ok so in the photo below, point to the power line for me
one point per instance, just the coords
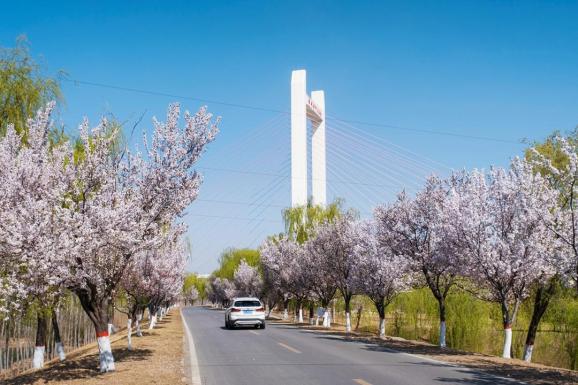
(233, 218)
(169, 95)
(274, 110)
(239, 203)
(289, 176)
(425, 131)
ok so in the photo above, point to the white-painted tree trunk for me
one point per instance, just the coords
(528, 349)
(285, 314)
(111, 329)
(138, 330)
(311, 321)
(507, 342)
(443, 334)
(60, 351)
(300, 320)
(347, 322)
(381, 327)
(153, 322)
(106, 358)
(38, 358)
(317, 321)
(129, 333)
(326, 319)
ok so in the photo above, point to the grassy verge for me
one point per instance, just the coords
(156, 358)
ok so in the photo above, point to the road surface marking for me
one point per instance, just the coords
(288, 347)
(360, 381)
(254, 332)
(195, 375)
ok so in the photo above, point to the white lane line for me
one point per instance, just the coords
(194, 362)
(360, 381)
(288, 347)
(253, 332)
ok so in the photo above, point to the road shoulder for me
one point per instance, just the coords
(156, 358)
(190, 361)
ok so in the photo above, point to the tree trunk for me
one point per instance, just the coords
(285, 310)
(129, 333)
(57, 338)
(380, 307)
(347, 299)
(506, 352)
(544, 293)
(311, 313)
(138, 322)
(97, 311)
(359, 310)
(507, 322)
(40, 344)
(152, 317)
(442, 309)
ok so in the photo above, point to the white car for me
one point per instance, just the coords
(247, 311)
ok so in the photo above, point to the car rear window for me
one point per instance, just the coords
(246, 303)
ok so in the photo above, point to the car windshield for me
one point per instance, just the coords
(247, 303)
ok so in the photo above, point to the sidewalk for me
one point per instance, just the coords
(156, 358)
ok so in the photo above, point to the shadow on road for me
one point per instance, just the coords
(477, 378)
(239, 328)
(485, 368)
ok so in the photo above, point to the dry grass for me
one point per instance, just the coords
(156, 358)
(530, 373)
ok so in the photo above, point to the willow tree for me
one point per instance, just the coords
(23, 88)
(301, 221)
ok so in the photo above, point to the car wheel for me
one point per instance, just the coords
(227, 326)
(263, 325)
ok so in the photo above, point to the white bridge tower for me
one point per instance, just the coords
(303, 109)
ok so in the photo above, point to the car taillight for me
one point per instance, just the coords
(260, 309)
(233, 310)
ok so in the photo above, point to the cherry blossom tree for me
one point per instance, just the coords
(319, 264)
(135, 283)
(555, 159)
(419, 230)
(379, 273)
(337, 240)
(272, 290)
(192, 295)
(152, 280)
(247, 280)
(561, 173)
(34, 226)
(167, 277)
(284, 257)
(221, 291)
(503, 229)
(124, 203)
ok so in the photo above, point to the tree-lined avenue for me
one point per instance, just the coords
(285, 355)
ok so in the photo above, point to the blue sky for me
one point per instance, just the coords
(504, 70)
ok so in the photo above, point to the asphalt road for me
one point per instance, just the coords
(284, 355)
